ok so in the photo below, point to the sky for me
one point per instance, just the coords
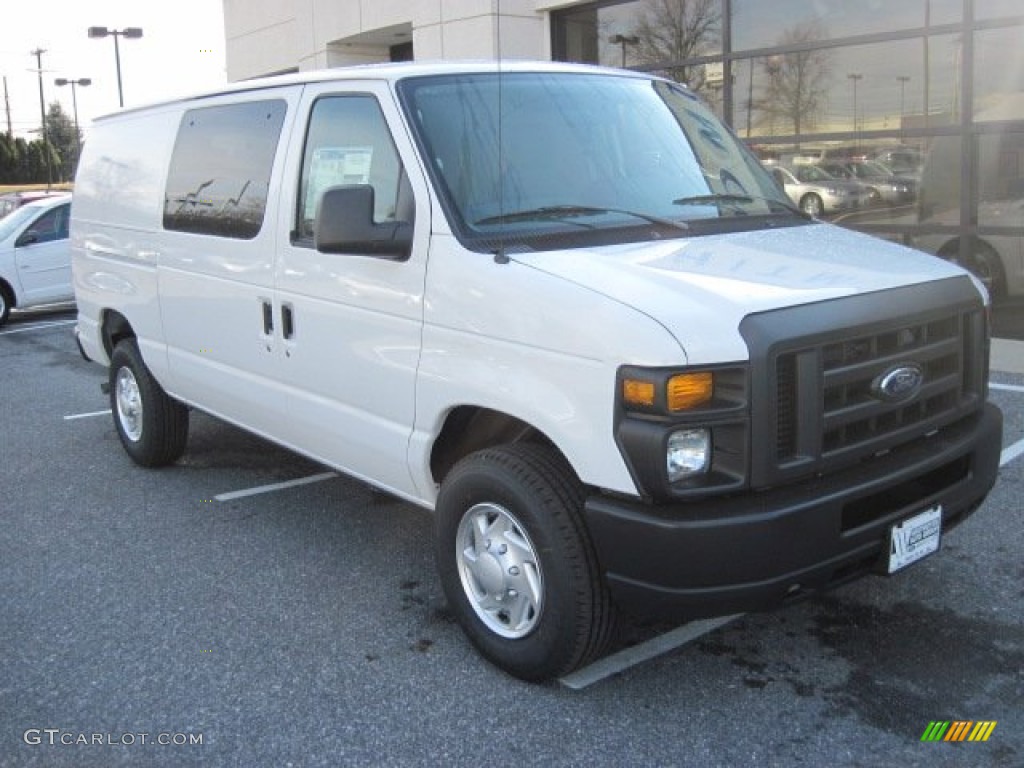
(181, 52)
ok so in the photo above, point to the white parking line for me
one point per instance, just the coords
(275, 486)
(38, 327)
(1006, 387)
(1011, 452)
(87, 415)
(630, 657)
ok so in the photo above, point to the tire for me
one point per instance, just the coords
(982, 261)
(517, 565)
(811, 205)
(153, 427)
(5, 303)
(874, 196)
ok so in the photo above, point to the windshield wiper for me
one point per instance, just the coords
(712, 199)
(555, 212)
(730, 199)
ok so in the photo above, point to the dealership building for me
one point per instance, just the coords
(932, 88)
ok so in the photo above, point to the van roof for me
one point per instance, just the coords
(384, 71)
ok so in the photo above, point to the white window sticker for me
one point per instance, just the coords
(331, 166)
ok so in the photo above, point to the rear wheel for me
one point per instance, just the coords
(516, 563)
(152, 426)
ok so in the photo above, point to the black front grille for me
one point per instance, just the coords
(785, 436)
(853, 415)
(819, 392)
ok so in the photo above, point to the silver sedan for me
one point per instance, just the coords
(818, 192)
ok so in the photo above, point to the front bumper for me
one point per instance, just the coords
(757, 550)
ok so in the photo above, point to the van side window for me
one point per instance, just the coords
(348, 142)
(220, 169)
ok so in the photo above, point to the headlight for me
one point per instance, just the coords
(684, 432)
(688, 453)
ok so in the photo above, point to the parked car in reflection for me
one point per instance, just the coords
(995, 259)
(901, 160)
(35, 255)
(817, 192)
(883, 185)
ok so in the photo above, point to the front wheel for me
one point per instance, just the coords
(811, 205)
(5, 303)
(152, 426)
(516, 563)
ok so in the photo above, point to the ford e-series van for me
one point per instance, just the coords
(561, 307)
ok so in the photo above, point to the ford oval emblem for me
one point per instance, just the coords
(898, 383)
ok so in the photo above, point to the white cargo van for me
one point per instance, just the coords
(563, 308)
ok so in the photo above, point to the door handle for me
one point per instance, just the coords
(268, 318)
(287, 321)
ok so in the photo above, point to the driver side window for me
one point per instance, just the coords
(348, 142)
(52, 225)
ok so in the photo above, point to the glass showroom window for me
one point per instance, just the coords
(759, 24)
(650, 34)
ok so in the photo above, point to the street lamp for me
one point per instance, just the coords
(623, 40)
(82, 81)
(131, 33)
(854, 78)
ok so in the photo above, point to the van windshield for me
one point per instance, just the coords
(524, 157)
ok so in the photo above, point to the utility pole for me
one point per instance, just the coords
(7, 106)
(38, 53)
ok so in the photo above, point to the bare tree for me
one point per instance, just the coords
(669, 31)
(797, 81)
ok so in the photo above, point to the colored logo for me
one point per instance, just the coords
(958, 730)
(899, 383)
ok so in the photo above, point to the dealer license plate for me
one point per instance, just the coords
(914, 538)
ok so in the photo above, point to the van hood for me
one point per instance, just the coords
(700, 288)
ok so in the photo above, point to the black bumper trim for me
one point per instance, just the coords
(757, 550)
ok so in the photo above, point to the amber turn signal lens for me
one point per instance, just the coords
(636, 392)
(688, 390)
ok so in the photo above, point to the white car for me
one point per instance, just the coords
(35, 256)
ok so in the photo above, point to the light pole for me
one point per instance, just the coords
(131, 33)
(82, 81)
(903, 80)
(623, 40)
(854, 78)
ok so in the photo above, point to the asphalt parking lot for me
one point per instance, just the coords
(302, 625)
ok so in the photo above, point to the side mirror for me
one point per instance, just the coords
(344, 224)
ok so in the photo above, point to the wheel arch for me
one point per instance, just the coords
(115, 327)
(9, 293)
(469, 428)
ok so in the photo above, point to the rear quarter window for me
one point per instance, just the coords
(220, 169)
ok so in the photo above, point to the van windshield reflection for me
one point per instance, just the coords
(531, 155)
